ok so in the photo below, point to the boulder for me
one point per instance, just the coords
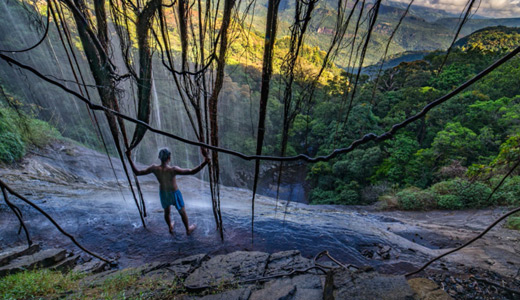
(240, 265)
(299, 287)
(42, 259)
(178, 269)
(91, 267)
(12, 253)
(286, 261)
(66, 264)
(367, 285)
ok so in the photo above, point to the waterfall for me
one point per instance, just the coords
(159, 139)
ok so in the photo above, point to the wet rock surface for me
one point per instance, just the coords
(368, 285)
(257, 275)
(477, 284)
(42, 259)
(77, 187)
(229, 268)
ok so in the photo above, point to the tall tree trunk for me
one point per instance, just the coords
(213, 108)
(267, 70)
(144, 81)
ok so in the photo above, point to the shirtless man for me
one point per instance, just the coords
(168, 189)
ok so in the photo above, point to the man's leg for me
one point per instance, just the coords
(168, 219)
(184, 216)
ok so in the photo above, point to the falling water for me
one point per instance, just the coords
(159, 139)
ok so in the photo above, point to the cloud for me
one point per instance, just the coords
(487, 8)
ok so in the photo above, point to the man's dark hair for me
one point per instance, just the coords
(164, 154)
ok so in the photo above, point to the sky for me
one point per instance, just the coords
(487, 8)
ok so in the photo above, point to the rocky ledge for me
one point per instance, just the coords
(238, 275)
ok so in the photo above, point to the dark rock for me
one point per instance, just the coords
(42, 259)
(231, 267)
(301, 287)
(286, 261)
(9, 254)
(275, 291)
(183, 266)
(367, 253)
(66, 265)
(178, 269)
(238, 294)
(91, 267)
(370, 285)
(383, 250)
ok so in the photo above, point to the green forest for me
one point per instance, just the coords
(452, 158)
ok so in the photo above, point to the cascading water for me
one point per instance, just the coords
(156, 117)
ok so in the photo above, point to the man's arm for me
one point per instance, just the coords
(136, 170)
(181, 171)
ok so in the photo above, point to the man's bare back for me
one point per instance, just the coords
(168, 189)
(166, 177)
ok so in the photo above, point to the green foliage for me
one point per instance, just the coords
(460, 193)
(413, 198)
(509, 192)
(394, 168)
(11, 145)
(513, 222)
(452, 76)
(451, 194)
(508, 155)
(456, 141)
(344, 193)
(319, 196)
(449, 202)
(478, 128)
(115, 287)
(18, 130)
(498, 38)
(36, 284)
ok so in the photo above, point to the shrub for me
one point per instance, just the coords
(348, 194)
(389, 201)
(11, 145)
(345, 194)
(17, 130)
(414, 198)
(462, 194)
(513, 222)
(509, 192)
(40, 133)
(319, 196)
(449, 202)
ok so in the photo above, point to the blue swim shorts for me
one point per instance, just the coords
(171, 198)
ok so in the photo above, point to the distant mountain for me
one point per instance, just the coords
(423, 29)
(491, 38)
(476, 24)
(429, 14)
